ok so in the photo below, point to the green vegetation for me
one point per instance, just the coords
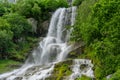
(61, 70)
(77, 2)
(98, 26)
(5, 65)
(16, 36)
(14, 30)
(116, 75)
(84, 78)
(38, 9)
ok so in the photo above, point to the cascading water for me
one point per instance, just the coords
(51, 50)
(81, 67)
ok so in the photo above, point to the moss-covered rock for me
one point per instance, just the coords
(77, 51)
(61, 70)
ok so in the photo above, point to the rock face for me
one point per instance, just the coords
(70, 2)
(72, 69)
(55, 43)
(45, 25)
(34, 23)
(50, 56)
(81, 67)
(43, 28)
(40, 28)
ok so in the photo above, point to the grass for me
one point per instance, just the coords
(8, 65)
(61, 70)
(84, 78)
(18, 56)
(20, 52)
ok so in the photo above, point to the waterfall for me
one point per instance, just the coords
(81, 67)
(51, 50)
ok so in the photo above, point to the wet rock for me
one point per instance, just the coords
(78, 49)
(34, 23)
(83, 66)
(42, 28)
(109, 76)
(18, 78)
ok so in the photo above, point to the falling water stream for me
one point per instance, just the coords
(81, 67)
(51, 50)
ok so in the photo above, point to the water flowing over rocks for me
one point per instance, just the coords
(82, 67)
(53, 49)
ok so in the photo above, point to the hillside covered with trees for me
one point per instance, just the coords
(17, 38)
(97, 26)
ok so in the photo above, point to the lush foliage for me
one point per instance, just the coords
(84, 78)
(16, 36)
(18, 24)
(38, 9)
(98, 26)
(77, 2)
(61, 70)
(116, 75)
(5, 65)
(5, 7)
(13, 31)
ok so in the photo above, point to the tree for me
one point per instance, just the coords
(2, 9)
(36, 11)
(6, 36)
(19, 25)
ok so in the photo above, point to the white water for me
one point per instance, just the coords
(81, 67)
(51, 50)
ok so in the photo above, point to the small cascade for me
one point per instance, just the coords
(51, 50)
(81, 67)
(73, 15)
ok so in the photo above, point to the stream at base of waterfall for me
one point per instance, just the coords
(53, 49)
